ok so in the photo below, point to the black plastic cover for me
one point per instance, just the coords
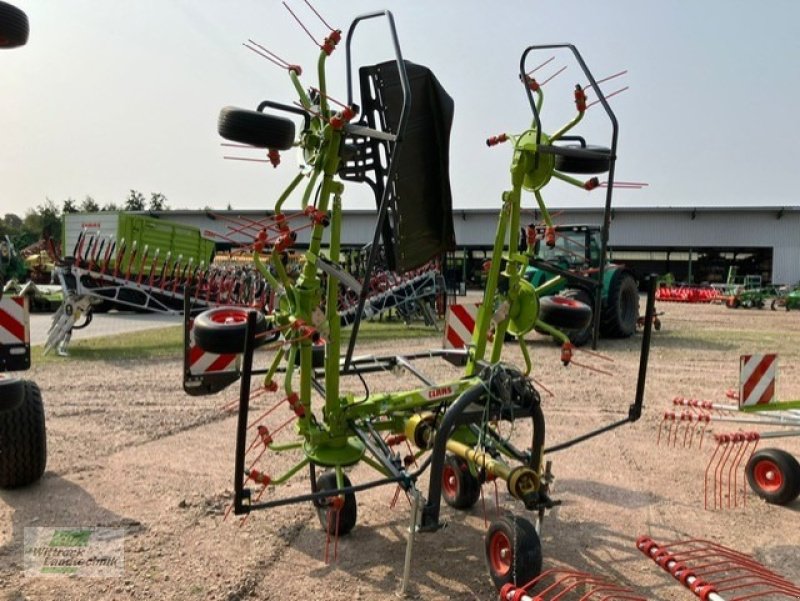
(420, 220)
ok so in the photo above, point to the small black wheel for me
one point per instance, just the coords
(222, 330)
(346, 520)
(733, 302)
(588, 159)
(12, 391)
(258, 129)
(774, 475)
(774, 304)
(513, 551)
(460, 489)
(564, 313)
(14, 28)
(23, 440)
(579, 336)
(621, 308)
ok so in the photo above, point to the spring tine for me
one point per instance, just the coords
(82, 260)
(78, 243)
(153, 265)
(161, 279)
(120, 255)
(109, 251)
(98, 250)
(131, 260)
(142, 263)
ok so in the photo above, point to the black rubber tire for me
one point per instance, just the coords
(579, 336)
(254, 128)
(774, 304)
(774, 475)
(14, 27)
(460, 489)
(23, 440)
(564, 313)
(621, 308)
(513, 551)
(595, 159)
(348, 514)
(12, 391)
(222, 330)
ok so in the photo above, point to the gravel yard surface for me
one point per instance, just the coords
(128, 449)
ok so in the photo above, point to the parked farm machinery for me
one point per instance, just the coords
(772, 473)
(23, 436)
(295, 414)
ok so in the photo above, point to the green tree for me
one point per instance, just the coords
(110, 206)
(158, 202)
(69, 206)
(89, 205)
(135, 201)
(44, 220)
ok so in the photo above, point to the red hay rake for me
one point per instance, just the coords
(772, 473)
(567, 585)
(716, 573)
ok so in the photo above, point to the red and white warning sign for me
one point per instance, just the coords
(757, 376)
(459, 325)
(15, 336)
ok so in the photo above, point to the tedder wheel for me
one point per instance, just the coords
(460, 489)
(579, 336)
(774, 304)
(733, 302)
(774, 475)
(621, 308)
(23, 440)
(14, 26)
(588, 159)
(564, 313)
(222, 330)
(346, 520)
(257, 129)
(513, 551)
(12, 391)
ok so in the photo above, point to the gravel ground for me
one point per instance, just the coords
(128, 449)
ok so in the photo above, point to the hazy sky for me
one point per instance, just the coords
(111, 95)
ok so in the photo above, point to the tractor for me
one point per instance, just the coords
(577, 249)
(23, 448)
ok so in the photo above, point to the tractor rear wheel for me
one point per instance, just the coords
(255, 128)
(513, 551)
(460, 489)
(621, 309)
(12, 391)
(23, 440)
(774, 475)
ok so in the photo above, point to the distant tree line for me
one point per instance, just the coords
(45, 219)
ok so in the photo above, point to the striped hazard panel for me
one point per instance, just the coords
(757, 375)
(204, 372)
(202, 362)
(460, 324)
(15, 336)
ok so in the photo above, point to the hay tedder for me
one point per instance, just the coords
(294, 414)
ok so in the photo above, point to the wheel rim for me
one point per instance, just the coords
(500, 553)
(227, 316)
(449, 481)
(768, 475)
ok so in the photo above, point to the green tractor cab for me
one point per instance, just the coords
(576, 249)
